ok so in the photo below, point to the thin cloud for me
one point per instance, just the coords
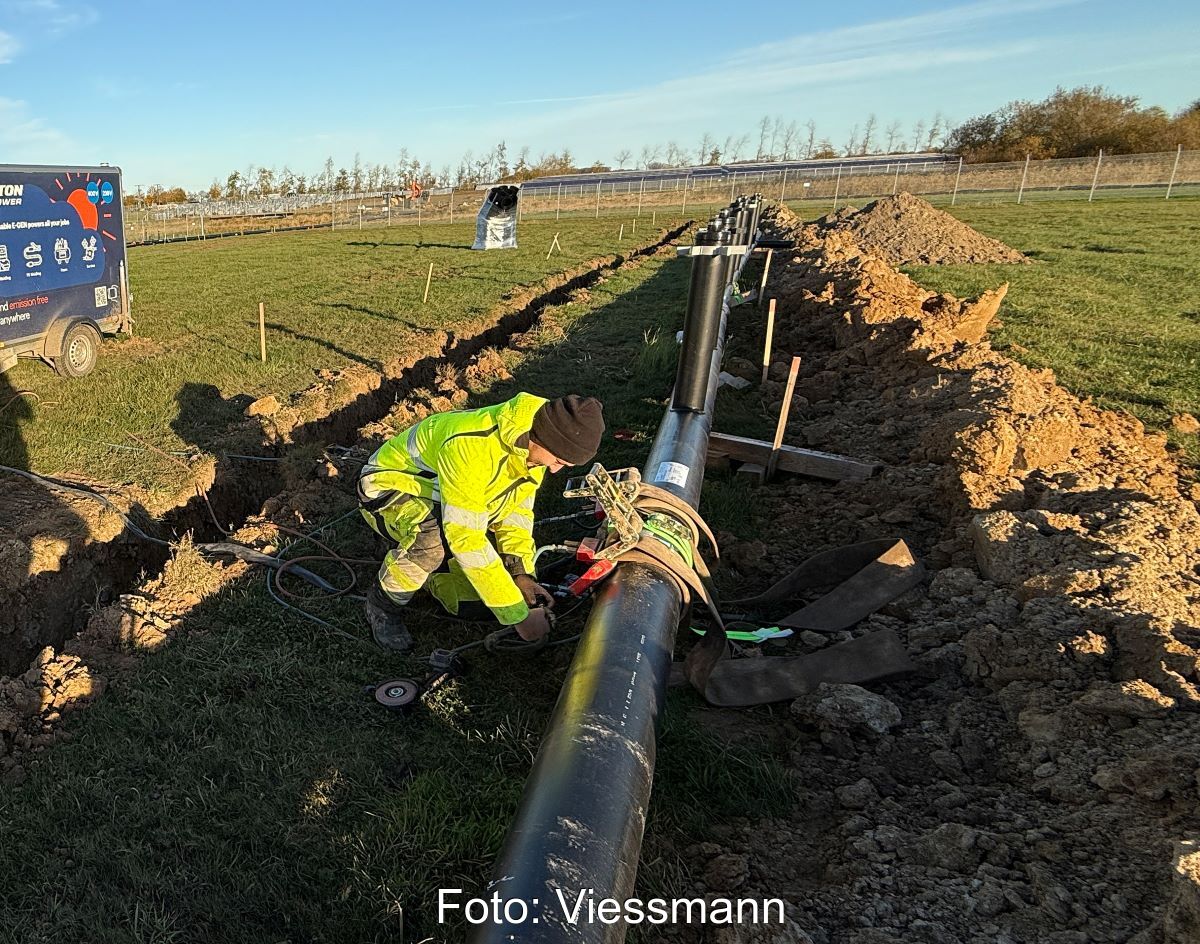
(436, 108)
(700, 97)
(926, 29)
(879, 51)
(1156, 64)
(54, 16)
(26, 138)
(564, 98)
(9, 47)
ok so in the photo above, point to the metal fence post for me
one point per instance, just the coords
(1024, 174)
(837, 187)
(1171, 182)
(641, 190)
(783, 186)
(597, 199)
(558, 207)
(1096, 176)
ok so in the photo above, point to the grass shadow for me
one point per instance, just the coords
(238, 784)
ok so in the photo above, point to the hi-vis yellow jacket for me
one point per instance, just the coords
(469, 462)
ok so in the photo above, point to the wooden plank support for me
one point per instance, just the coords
(820, 465)
(751, 472)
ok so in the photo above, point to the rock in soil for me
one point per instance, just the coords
(1037, 780)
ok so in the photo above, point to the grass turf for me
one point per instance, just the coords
(240, 786)
(332, 299)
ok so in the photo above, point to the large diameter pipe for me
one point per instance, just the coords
(700, 327)
(578, 829)
(743, 224)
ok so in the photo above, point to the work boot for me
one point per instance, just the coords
(386, 620)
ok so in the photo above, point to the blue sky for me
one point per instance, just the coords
(180, 93)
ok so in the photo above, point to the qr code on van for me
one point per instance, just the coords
(101, 296)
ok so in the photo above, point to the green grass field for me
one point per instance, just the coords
(1112, 304)
(239, 786)
(332, 299)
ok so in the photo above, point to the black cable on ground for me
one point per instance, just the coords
(276, 565)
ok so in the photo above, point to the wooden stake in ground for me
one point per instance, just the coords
(262, 331)
(762, 287)
(783, 416)
(428, 279)
(635, 227)
(767, 342)
(1096, 176)
(553, 245)
(621, 234)
(654, 217)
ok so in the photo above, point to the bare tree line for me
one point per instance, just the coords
(1070, 122)
(774, 139)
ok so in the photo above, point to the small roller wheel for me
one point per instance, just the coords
(397, 694)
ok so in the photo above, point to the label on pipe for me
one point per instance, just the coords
(674, 472)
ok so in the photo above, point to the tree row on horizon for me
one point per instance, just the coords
(1067, 123)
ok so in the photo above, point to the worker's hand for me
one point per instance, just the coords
(534, 626)
(533, 592)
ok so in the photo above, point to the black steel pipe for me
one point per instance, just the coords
(730, 265)
(743, 224)
(700, 325)
(579, 827)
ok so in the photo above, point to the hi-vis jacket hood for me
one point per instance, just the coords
(469, 462)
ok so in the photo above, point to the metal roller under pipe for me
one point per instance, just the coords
(578, 829)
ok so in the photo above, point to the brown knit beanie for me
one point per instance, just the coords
(570, 427)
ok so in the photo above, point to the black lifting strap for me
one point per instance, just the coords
(868, 575)
(692, 581)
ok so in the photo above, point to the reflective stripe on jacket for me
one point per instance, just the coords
(468, 460)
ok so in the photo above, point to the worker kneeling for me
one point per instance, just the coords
(455, 493)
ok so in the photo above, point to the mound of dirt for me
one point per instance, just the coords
(1037, 780)
(901, 230)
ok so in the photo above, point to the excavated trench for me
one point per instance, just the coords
(1035, 779)
(55, 603)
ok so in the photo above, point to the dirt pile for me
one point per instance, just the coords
(901, 230)
(1038, 780)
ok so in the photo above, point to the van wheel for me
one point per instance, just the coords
(80, 349)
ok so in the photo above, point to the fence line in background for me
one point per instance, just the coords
(1153, 176)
